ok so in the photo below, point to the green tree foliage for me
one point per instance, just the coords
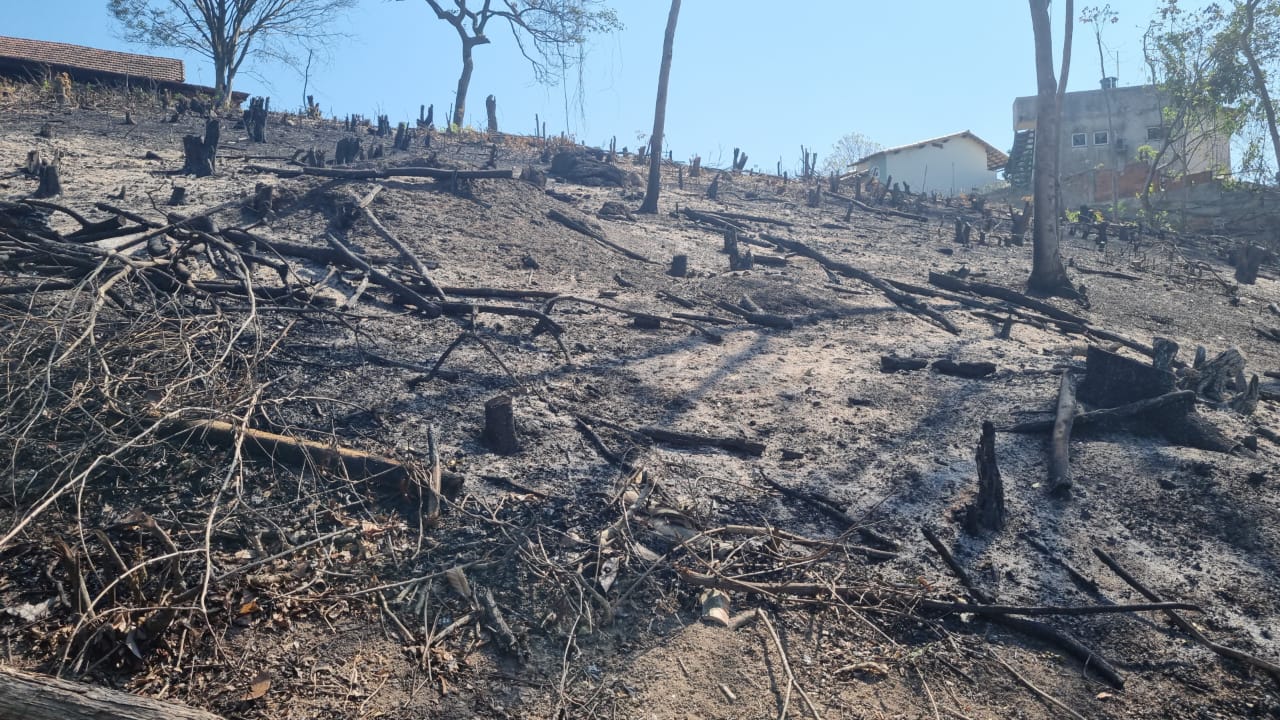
(1191, 58)
(228, 31)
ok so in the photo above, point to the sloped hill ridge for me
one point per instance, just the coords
(163, 532)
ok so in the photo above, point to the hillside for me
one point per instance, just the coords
(248, 470)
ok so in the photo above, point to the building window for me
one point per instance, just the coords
(1101, 137)
(1078, 140)
(1155, 133)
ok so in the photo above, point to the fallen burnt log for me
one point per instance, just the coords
(653, 320)
(901, 299)
(37, 697)
(950, 282)
(1173, 415)
(597, 235)
(383, 174)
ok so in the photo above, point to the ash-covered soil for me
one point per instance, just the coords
(358, 607)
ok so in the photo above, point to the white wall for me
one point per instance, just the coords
(953, 167)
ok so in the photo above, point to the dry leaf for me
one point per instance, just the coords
(1104, 696)
(258, 687)
(249, 607)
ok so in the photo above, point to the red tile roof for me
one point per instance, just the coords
(92, 59)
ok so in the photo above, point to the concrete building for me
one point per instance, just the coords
(1102, 131)
(950, 165)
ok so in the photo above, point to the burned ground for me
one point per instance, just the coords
(269, 588)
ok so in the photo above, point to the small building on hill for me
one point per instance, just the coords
(26, 59)
(950, 165)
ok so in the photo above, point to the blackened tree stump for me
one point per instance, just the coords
(348, 151)
(1165, 351)
(1248, 259)
(500, 426)
(679, 266)
(178, 196)
(491, 109)
(255, 119)
(1111, 380)
(50, 182)
(987, 512)
(202, 154)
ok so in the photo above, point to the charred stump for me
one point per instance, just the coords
(255, 119)
(679, 266)
(987, 512)
(201, 154)
(50, 183)
(1247, 261)
(491, 109)
(500, 426)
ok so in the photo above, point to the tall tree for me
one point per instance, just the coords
(1259, 36)
(550, 33)
(650, 204)
(1205, 88)
(1048, 275)
(228, 31)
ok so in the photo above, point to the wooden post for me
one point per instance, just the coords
(500, 426)
(988, 512)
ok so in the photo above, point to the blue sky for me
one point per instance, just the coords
(763, 76)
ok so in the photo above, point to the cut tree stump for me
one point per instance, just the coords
(500, 426)
(1247, 261)
(1112, 380)
(255, 119)
(37, 697)
(491, 110)
(50, 182)
(987, 512)
(679, 266)
(1166, 351)
(201, 154)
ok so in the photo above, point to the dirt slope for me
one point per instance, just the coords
(348, 610)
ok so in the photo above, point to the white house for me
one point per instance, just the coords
(951, 164)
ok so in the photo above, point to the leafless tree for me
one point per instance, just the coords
(1048, 275)
(650, 204)
(550, 33)
(848, 150)
(227, 31)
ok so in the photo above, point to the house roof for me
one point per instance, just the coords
(996, 158)
(92, 59)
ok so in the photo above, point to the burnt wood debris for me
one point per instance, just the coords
(452, 385)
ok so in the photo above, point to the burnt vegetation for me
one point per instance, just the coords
(446, 428)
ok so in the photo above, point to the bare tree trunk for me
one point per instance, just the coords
(1260, 79)
(464, 82)
(650, 204)
(1047, 272)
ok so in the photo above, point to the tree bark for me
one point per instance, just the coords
(650, 204)
(464, 83)
(1048, 275)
